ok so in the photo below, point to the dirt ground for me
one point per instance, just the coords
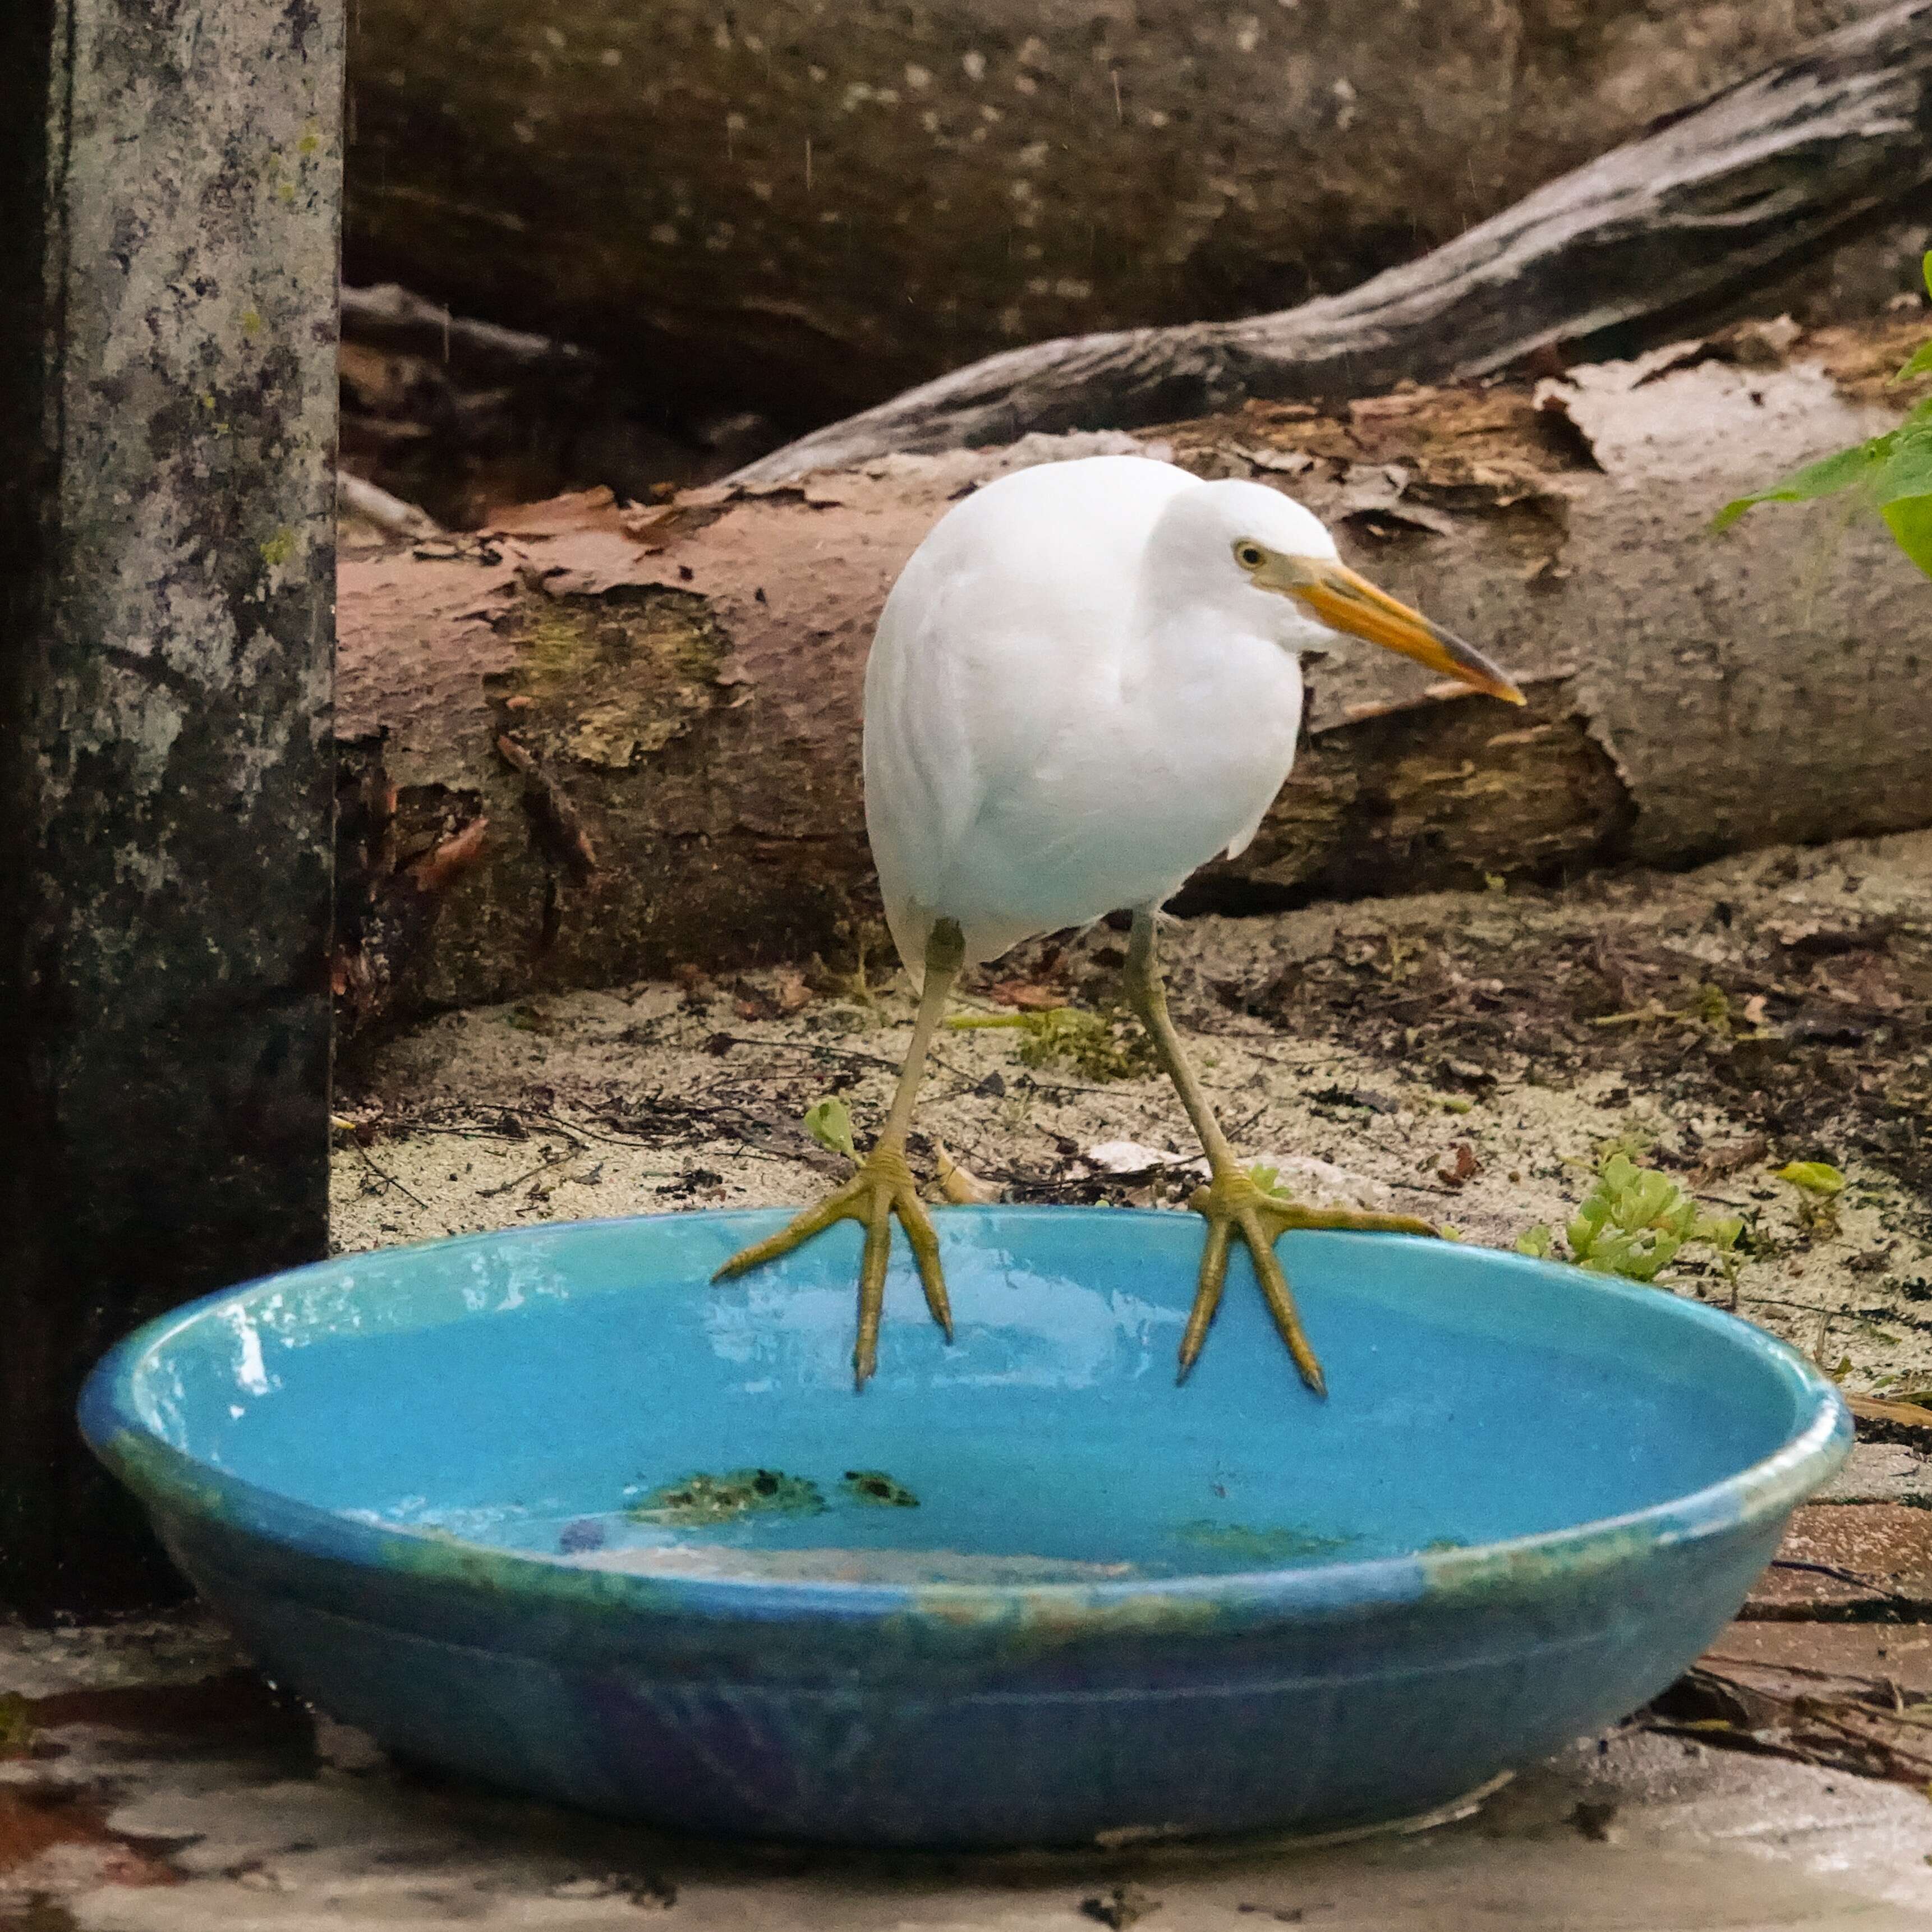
(1472, 1057)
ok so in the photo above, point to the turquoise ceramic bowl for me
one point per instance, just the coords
(498, 1500)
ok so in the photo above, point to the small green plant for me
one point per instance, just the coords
(1818, 1184)
(1812, 1177)
(828, 1122)
(1892, 472)
(1633, 1223)
(1633, 1140)
(1099, 1044)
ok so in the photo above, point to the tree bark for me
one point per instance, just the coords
(803, 209)
(1714, 200)
(169, 182)
(680, 688)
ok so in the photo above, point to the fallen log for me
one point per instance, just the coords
(683, 682)
(1758, 175)
(803, 209)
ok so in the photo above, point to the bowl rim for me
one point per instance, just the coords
(169, 1479)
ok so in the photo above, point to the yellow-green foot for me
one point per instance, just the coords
(1233, 1203)
(882, 1187)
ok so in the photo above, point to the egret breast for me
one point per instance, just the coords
(1038, 750)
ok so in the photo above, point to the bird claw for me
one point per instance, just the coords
(883, 1187)
(1234, 1202)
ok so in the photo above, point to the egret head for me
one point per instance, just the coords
(1250, 547)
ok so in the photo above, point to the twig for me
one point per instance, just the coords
(557, 820)
(1039, 1086)
(395, 316)
(361, 498)
(1840, 1575)
(813, 1046)
(542, 1167)
(848, 1053)
(1793, 1669)
(400, 1187)
(561, 1126)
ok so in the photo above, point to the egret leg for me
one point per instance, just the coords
(1233, 1202)
(884, 1186)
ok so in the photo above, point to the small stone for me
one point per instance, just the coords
(343, 1748)
(586, 1887)
(1126, 1905)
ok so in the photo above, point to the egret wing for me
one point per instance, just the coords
(1004, 634)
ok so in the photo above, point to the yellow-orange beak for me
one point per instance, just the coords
(1346, 602)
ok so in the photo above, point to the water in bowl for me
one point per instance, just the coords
(583, 1396)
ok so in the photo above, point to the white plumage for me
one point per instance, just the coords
(1086, 682)
(1074, 697)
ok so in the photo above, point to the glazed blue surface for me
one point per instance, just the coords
(437, 1490)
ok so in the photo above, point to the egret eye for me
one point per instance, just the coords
(1250, 556)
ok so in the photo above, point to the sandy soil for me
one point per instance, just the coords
(1471, 1057)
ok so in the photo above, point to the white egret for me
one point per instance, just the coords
(1086, 682)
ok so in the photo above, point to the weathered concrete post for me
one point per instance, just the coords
(169, 184)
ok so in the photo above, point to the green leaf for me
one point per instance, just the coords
(1537, 1242)
(828, 1122)
(1909, 519)
(1814, 1177)
(1844, 471)
(1907, 471)
(1647, 1263)
(1920, 363)
(1721, 1230)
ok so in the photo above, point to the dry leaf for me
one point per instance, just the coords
(1026, 994)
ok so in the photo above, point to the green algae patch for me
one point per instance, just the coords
(1279, 1545)
(1535, 1566)
(878, 1490)
(612, 679)
(1025, 1620)
(707, 1498)
(162, 1476)
(16, 1725)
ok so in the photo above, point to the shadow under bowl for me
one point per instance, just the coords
(546, 1507)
